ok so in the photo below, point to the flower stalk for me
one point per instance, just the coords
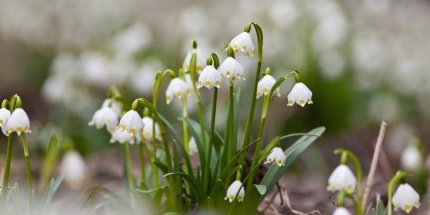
(400, 175)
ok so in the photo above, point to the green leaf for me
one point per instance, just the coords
(49, 162)
(196, 133)
(195, 185)
(262, 189)
(275, 172)
(52, 189)
(380, 210)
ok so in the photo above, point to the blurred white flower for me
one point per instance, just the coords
(231, 69)
(133, 39)
(121, 136)
(177, 88)
(300, 94)
(18, 122)
(276, 156)
(209, 77)
(200, 60)
(4, 115)
(341, 211)
(148, 129)
(265, 86)
(283, 13)
(192, 146)
(342, 178)
(194, 20)
(406, 198)
(116, 106)
(233, 191)
(74, 169)
(411, 158)
(243, 43)
(332, 64)
(95, 69)
(384, 106)
(105, 116)
(143, 78)
(132, 123)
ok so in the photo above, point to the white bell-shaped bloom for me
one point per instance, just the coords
(18, 122)
(4, 115)
(200, 63)
(210, 77)
(192, 146)
(411, 158)
(300, 94)
(114, 105)
(148, 129)
(131, 122)
(233, 192)
(341, 211)
(265, 86)
(276, 156)
(104, 117)
(74, 169)
(243, 43)
(342, 178)
(231, 69)
(406, 198)
(177, 88)
(121, 136)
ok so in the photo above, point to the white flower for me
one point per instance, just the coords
(265, 86)
(177, 88)
(104, 117)
(188, 82)
(74, 169)
(210, 77)
(233, 191)
(276, 156)
(406, 198)
(4, 115)
(131, 122)
(243, 43)
(18, 122)
(411, 158)
(341, 211)
(148, 129)
(121, 136)
(114, 105)
(300, 94)
(192, 146)
(231, 69)
(342, 178)
(200, 60)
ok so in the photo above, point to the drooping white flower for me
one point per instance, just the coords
(148, 129)
(341, 211)
(114, 105)
(131, 122)
(188, 82)
(342, 178)
(177, 88)
(233, 191)
(210, 77)
(243, 43)
(4, 115)
(276, 156)
(411, 158)
(192, 146)
(74, 169)
(200, 60)
(300, 94)
(406, 198)
(18, 122)
(265, 86)
(231, 69)
(105, 116)
(121, 136)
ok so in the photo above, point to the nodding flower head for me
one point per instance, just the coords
(210, 77)
(342, 179)
(243, 43)
(104, 117)
(300, 94)
(276, 156)
(406, 198)
(4, 115)
(149, 129)
(177, 88)
(201, 60)
(121, 136)
(74, 169)
(18, 122)
(341, 211)
(233, 192)
(132, 123)
(114, 105)
(231, 69)
(265, 85)
(411, 158)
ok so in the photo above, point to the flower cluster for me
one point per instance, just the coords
(17, 121)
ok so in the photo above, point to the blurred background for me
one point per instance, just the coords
(365, 61)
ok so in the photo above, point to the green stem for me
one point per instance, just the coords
(185, 125)
(230, 143)
(128, 167)
(5, 186)
(142, 164)
(211, 142)
(27, 164)
(399, 176)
